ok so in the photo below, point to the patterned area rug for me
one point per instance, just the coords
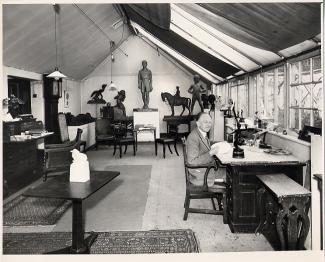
(30, 211)
(119, 242)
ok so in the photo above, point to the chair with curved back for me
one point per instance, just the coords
(58, 157)
(64, 134)
(218, 191)
(123, 136)
(171, 138)
(104, 131)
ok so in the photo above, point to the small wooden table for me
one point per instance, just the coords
(243, 185)
(292, 205)
(60, 187)
(141, 128)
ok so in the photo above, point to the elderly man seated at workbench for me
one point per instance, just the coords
(199, 152)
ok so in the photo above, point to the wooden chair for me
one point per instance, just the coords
(104, 131)
(64, 134)
(171, 138)
(122, 136)
(58, 158)
(218, 191)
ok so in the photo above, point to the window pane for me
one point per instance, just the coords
(252, 95)
(294, 118)
(317, 101)
(317, 118)
(260, 94)
(233, 95)
(317, 71)
(279, 98)
(269, 95)
(305, 118)
(305, 71)
(242, 100)
(294, 73)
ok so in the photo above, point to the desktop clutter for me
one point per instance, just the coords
(79, 169)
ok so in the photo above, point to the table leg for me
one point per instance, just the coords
(295, 209)
(155, 138)
(78, 242)
(136, 140)
(80, 245)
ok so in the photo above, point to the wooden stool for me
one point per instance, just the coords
(167, 141)
(293, 202)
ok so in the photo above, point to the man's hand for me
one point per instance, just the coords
(213, 151)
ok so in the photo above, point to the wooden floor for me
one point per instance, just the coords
(164, 208)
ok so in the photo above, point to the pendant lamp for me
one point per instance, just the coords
(112, 86)
(56, 74)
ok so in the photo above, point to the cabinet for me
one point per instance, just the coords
(21, 165)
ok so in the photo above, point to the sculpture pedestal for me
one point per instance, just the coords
(146, 117)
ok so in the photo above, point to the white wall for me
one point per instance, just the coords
(73, 106)
(166, 76)
(317, 167)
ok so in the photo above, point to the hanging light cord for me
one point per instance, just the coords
(56, 45)
(98, 27)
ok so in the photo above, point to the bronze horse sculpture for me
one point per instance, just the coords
(176, 101)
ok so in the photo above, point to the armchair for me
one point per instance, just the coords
(218, 191)
(104, 131)
(64, 135)
(57, 157)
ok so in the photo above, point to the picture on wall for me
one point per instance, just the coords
(66, 98)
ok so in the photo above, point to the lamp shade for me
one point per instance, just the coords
(56, 74)
(112, 86)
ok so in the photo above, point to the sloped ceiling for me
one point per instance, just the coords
(29, 35)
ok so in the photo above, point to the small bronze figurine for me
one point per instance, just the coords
(97, 96)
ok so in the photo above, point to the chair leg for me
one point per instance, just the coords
(175, 147)
(219, 199)
(224, 203)
(120, 147)
(169, 148)
(213, 204)
(126, 148)
(114, 149)
(164, 149)
(187, 206)
(134, 149)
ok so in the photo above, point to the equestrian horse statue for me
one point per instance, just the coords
(176, 101)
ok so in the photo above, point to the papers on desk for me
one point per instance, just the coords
(145, 127)
(221, 148)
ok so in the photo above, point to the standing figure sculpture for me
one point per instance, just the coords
(145, 83)
(196, 90)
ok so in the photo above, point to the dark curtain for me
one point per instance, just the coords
(269, 26)
(179, 44)
(158, 14)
